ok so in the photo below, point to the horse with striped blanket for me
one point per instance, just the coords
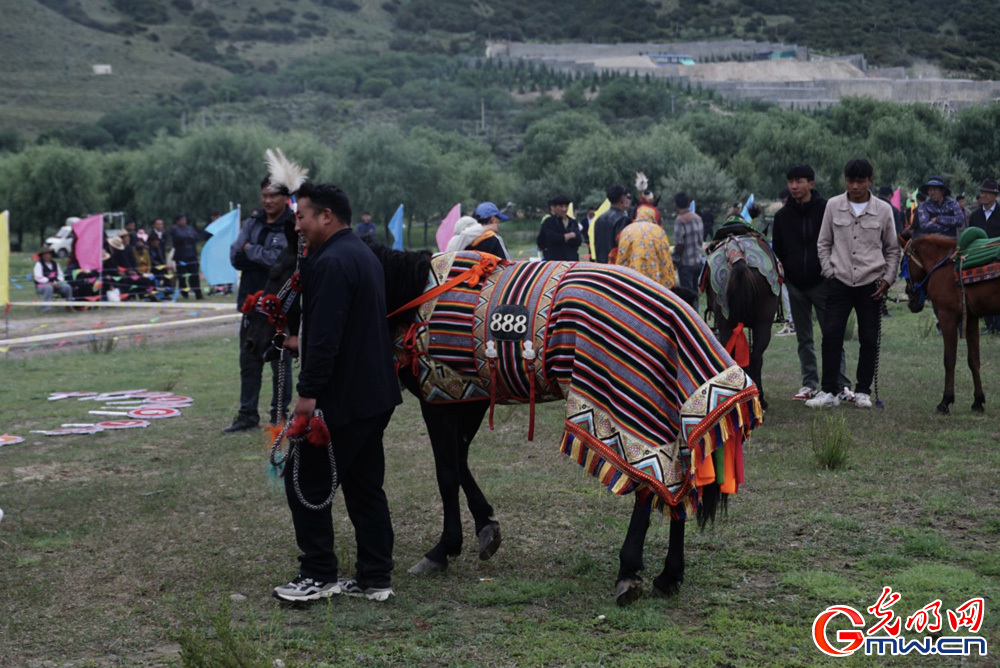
(655, 406)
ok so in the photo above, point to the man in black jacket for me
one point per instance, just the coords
(611, 223)
(184, 238)
(348, 374)
(560, 236)
(796, 230)
(258, 246)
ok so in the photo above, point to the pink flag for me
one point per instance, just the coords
(446, 230)
(896, 199)
(89, 234)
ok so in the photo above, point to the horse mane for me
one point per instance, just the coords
(405, 277)
(936, 240)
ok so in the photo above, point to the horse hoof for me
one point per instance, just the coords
(628, 592)
(666, 590)
(425, 566)
(763, 405)
(942, 409)
(489, 540)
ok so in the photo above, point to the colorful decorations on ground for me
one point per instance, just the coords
(132, 409)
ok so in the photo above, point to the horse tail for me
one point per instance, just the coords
(711, 501)
(742, 290)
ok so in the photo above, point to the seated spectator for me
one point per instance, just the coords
(49, 278)
(143, 260)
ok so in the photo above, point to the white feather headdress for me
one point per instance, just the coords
(641, 182)
(283, 172)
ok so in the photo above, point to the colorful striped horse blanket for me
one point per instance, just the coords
(655, 406)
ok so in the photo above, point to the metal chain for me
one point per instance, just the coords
(335, 482)
(878, 350)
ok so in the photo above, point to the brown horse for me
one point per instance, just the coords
(751, 301)
(929, 270)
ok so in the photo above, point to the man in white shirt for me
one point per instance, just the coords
(858, 255)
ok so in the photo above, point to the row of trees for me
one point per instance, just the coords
(717, 158)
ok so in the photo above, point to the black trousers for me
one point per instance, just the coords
(360, 460)
(188, 278)
(841, 299)
(251, 379)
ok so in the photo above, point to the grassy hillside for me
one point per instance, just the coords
(160, 52)
(164, 52)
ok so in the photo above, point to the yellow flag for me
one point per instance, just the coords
(597, 214)
(569, 211)
(4, 260)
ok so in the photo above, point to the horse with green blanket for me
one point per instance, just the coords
(963, 283)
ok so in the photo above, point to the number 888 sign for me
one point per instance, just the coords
(509, 322)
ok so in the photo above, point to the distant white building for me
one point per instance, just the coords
(102, 69)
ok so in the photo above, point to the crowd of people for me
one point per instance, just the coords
(136, 264)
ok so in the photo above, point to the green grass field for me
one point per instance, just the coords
(127, 548)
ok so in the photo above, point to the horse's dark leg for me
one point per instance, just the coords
(761, 340)
(487, 528)
(628, 586)
(972, 341)
(443, 426)
(949, 333)
(668, 582)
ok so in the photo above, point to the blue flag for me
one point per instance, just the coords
(745, 214)
(215, 254)
(396, 227)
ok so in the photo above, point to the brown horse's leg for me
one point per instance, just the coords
(972, 341)
(949, 333)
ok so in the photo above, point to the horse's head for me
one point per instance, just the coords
(405, 278)
(920, 258)
(267, 324)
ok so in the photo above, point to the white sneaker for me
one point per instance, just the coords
(862, 400)
(788, 329)
(846, 395)
(805, 392)
(823, 400)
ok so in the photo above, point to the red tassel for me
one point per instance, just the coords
(318, 434)
(299, 426)
(738, 347)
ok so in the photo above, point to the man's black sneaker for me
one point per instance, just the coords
(242, 423)
(305, 589)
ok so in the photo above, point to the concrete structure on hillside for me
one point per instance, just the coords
(782, 74)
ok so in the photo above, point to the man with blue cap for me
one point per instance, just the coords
(940, 214)
(488, 216)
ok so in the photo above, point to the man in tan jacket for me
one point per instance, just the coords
(858, 254)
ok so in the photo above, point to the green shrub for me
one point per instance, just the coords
(831, 441)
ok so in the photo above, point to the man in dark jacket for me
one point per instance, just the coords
(348, 374)
(796, 230)
(885, 194)
(987, 216)
(611, 223)
(184, 239)
(258, 246)
(560, 235)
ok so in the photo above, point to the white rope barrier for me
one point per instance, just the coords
(61, 336)
(196, 306)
